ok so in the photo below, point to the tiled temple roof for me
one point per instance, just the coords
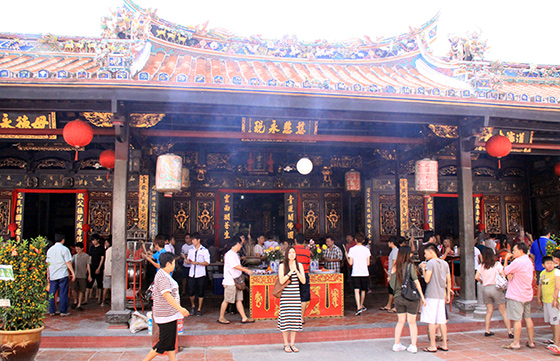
(140, 49)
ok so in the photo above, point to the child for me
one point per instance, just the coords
(556, 258)
(81, 262)
(547, 297)
(167, 308)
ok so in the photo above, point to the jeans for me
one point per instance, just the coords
(60, 285)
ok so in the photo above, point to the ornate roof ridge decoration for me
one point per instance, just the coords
(221, 40)
(137, 120)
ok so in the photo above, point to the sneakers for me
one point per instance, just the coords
(412, 349)
(359, 312)
(398, 347)
(65, 314)
(193, 311)
(198, 313)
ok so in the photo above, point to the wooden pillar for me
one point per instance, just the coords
(467, 301)
(119, 313)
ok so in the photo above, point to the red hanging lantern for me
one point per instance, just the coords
(78, 134)
(107, 159)
(481, 227)
(557, 168)
(498, 146)
(86, 228)
(426, 226)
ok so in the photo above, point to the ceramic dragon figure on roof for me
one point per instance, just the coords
(471, 48)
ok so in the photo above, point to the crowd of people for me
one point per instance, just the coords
(71, 268)
(418, 285)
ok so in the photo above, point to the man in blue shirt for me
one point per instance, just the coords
(538, 250)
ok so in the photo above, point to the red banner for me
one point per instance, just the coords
(327, 296)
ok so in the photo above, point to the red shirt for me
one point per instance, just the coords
(303, 256)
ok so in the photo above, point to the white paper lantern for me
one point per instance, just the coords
(426, 176)
(168, 174)
(353, 181)
(304, 166)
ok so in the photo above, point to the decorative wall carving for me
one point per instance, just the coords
(137, 120)
(388, 215)
(218, 161)
(51, 163)
(311, 217)
(449, 170)
(333, 216)
(100, 215)
(514, 217)
(416, 211)
(492, 216)
(131, 209)
(310, 195)
(346, 162)
(445, 131)
(13, 163)
(205, 213)
(181, 216)
(4, 216)
(484, 172)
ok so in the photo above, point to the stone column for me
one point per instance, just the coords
(467, 301)
(118, 312)
(480, 310)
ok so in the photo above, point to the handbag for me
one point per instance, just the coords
(408, 288)
(279, 287)
(501, 282)
(240, 282)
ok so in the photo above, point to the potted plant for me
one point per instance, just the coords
(24, 297)
(274, 256)
(316, 254)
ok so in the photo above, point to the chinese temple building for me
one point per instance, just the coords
(241, 113)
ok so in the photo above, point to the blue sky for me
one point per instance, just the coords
(516, 32)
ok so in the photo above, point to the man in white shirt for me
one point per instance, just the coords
(198, 257)
(59, 273)
(186, 267)
(359, 258)
(491, 242)
(232, 270)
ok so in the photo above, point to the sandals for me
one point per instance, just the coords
(442, 349)
(428, 350)
(287, 349)
(249, 320)
(294, 349)
(510, 347)
(529, 345)
(487, 334)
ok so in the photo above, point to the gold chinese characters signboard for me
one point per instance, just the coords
(24, 120)
(279, 126)
(515, 136)
(226, 200)
(290, 202)
(143, 201)
(80, 216)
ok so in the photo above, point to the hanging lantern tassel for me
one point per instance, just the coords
(76, 156)
(12, 227)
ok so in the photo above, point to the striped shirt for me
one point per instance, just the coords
(303, 256)
(333, 253)
(163, 311)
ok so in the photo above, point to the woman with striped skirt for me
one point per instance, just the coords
(289, 318)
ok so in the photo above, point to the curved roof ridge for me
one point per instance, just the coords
(289, 47)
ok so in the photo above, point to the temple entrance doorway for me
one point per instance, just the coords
(259, 213)
(46, 214)
(446, 216)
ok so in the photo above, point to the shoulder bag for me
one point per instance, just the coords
(239, 281)
(279, 287)
(501, 282)
(408, 288)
